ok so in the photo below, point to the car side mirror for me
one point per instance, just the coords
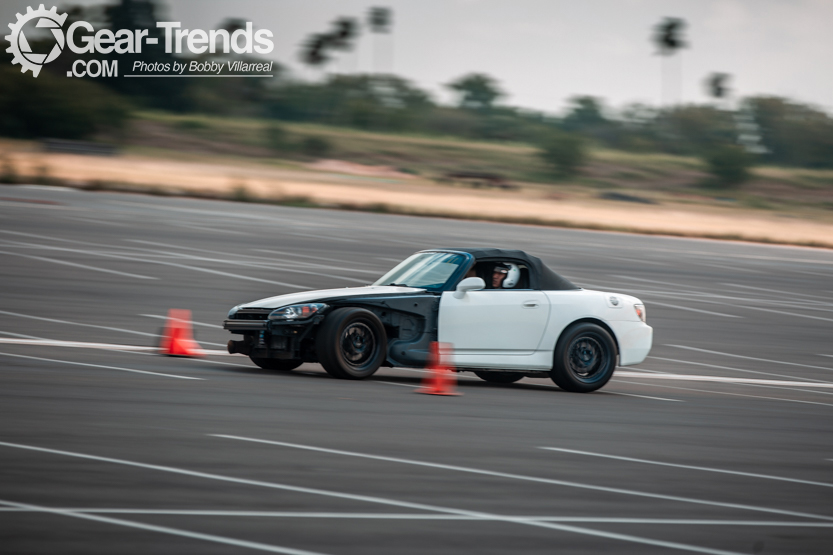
(469, 284)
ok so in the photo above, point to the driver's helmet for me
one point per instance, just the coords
(512, 272)
(512, 277)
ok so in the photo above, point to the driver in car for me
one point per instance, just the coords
(505, 276)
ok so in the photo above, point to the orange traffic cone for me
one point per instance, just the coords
(177, 339)
(441, 379)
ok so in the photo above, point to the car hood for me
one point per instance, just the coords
(325, 294)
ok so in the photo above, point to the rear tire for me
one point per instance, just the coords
(284, 365)
(585, 358)
(499, 377)
(351, 343)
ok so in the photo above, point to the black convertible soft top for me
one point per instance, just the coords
(541, 277)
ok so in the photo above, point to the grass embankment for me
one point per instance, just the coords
(652, 176)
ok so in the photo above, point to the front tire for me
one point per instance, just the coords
(284, 365)
(585, 358)
(499, 377)
(351, 343)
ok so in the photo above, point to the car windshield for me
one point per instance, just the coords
(427, 270)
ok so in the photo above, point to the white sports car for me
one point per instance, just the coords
(504, 314)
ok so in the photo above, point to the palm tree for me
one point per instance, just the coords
(668, 38)
(717, 85)
(314, 52)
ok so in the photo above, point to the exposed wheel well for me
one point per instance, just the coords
(592, 321)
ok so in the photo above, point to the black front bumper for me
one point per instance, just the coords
(264, 338)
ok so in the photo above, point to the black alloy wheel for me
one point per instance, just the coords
(351, 343)
(357, 344)
(585, 358)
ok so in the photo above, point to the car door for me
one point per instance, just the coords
(490, 323)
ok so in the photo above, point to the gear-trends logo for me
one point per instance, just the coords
(20, 48)
(83, 39)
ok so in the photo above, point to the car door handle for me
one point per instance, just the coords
(530, 304)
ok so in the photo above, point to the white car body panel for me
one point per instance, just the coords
(489, 323)
(487, 330)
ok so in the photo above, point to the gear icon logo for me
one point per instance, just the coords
(20, 48)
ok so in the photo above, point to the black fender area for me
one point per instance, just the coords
(410, 323)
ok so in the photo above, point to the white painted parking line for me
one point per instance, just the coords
(226, 213)
(161, 317)
(780, 293)
(688, 308)
(643, 396)
(261, 264)
(15, 205)
(349, 265)
(226, 363)
(102, 346)
(826, 275)
(742, 370)
(712, 298)
(645, 370)
(428, 516)
(690, 467)
(703, 296)
(327, 237)
(671, 283)
(416, 506)
(164, 529)
(94, 221)
(399, 384)
(20, 335)
(779, 258)
(607, 392)
(749, 358)
(724, 267)
(134, 258)
(67, 323)
(522, 477)
(272, 514)
(230, 259)
(133, 370)
(733, 394)
(678, 521)
(814, 391)
(76, 265)
(784, 313)
(717, 379)
(212, 229)
(77, 344)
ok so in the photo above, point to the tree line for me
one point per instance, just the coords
(760, 129)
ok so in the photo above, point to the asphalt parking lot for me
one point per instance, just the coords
(720, 442)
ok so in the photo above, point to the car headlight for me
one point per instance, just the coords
(233, 311)
(297, 311)
(640, 311)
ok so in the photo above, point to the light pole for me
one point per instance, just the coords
(380, 20)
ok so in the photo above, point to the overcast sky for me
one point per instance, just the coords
(544, 51)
